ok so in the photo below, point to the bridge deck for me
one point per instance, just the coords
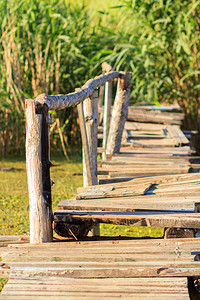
(92, 269)
(154, 181)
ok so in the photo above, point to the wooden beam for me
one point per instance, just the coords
(86, 160)
(119, 114)
(90, 106)
(107, 112)
(38, 176)
(73, 99)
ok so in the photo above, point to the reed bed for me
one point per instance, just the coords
(55, 47)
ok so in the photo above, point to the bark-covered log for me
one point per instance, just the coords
(87, 165)
(64, 101)
(91, 122)
(38, 175)
(119, 114)
(107, 112)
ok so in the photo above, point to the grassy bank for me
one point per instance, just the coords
(55, 46)
(14, 217)
(14, 208)
(14, 195)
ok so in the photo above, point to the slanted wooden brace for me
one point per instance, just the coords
(38, 147)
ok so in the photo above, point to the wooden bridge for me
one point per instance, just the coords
(148, 176)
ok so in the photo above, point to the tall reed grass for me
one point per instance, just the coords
(159, 41)
(55, 46)
(44, 47)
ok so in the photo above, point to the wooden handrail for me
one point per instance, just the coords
(63, 101)
(37, 142)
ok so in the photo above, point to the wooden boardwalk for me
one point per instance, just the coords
(154, 181)
(92, 269)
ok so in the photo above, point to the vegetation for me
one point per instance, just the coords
(55, 46)
(14, 196)
(159, 42)
(67, 176)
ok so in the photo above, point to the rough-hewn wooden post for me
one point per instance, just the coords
(87, 166)
(38, 173)
(105, 69)
(107, 111)
(119, 114)
(90, 106)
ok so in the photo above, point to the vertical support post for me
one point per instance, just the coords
(119, 114)
(101, 95)
(107, 111)
(91, 120)
(87, 167)
(38, 173)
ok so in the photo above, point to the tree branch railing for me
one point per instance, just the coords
(38, 142)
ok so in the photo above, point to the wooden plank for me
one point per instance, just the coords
(155, 117)
(167, 108)
(170, 157)
(151, 296)
(118, 253)
(126, 206)
(150, 160)
(110, 191)
(168, 179)
(115, 270)
(184, 150)
(145, 134)
(109, 287)
(144, 168)
(177, 135)
(142, 173)
(148, 218)
(144, 126)
(95, 256)
(150, 203)
(112, 165)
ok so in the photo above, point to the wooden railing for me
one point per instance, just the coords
(38, 137)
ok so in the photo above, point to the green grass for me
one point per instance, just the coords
(14, 216)
(129, 231)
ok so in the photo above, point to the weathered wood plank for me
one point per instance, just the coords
(151, 296)
(148, 218)
(112, 287)
(131, 204)
(168, 179)
(115, 270)
(184, 150)
(105, 191)
(177, 135)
